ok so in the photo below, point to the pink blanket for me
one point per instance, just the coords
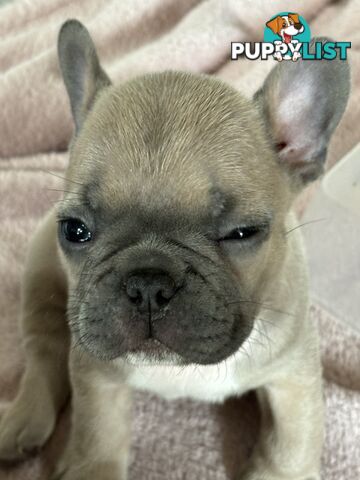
(181, 440)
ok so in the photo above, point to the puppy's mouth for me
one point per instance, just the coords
(151, 347)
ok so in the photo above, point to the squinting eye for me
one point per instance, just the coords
(75, 231)
(241, 233)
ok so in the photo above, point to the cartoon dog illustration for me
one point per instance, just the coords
(286, 26)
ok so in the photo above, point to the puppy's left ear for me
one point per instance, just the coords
(302, 103)
(82, 73)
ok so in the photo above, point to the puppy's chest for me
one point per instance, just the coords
(206, 383)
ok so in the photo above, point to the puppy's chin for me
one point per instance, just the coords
(150, 351)
(153, 352)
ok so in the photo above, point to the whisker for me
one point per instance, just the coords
(262, 305)
(306, 223)
(62, 191)
(62, 178)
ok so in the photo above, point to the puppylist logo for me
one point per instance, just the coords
(287, 36)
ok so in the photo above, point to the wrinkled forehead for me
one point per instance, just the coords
(169, 141)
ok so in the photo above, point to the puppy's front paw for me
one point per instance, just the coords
(24, 428)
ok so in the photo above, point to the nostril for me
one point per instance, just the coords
(134, 295)
(162, 298)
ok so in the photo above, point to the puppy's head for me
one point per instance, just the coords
(172, 227)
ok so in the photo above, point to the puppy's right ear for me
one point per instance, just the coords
(83, 76)
(302, 103)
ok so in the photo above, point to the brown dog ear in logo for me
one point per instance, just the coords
(294, 17)
(275, 24)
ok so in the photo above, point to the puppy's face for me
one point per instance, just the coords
(179, 213)
(172, 227)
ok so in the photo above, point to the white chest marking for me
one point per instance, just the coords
(247, 369)
(208, 383)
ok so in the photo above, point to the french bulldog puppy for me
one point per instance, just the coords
(173, 248)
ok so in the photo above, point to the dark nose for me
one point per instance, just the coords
(150, 290)
(298, 26)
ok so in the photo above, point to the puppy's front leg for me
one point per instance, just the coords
(30, 419)
(292, 430)
(100, 432)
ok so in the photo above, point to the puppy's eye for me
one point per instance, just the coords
(242, 233)
(75, 231)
